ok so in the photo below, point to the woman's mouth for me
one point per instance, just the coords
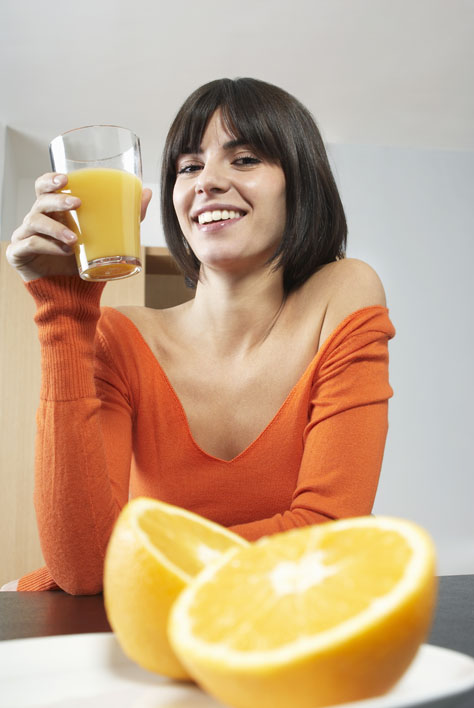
(207, 217)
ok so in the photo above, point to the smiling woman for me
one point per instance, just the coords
(260, 404)
(260, 122)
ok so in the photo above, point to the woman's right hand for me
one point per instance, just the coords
(43, 244)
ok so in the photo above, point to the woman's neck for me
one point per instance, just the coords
(235, 315)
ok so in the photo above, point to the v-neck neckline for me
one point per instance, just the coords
(309, 369)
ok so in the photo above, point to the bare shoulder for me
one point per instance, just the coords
(135, 313)
(355, 285)
(151, 322)
(144, 318)
(350, 285)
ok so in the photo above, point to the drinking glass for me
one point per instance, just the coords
(103, 166)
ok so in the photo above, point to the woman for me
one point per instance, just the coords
(261, 403)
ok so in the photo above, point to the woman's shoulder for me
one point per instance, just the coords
(144, 317)
(345, 286)
(138, 323)
(354, 283)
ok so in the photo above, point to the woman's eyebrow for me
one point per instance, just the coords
(229, 145)
(237, 142)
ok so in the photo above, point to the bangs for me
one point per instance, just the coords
(243, 115)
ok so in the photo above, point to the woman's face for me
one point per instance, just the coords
(230, 204)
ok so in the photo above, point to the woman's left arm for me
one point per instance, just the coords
(345, 435)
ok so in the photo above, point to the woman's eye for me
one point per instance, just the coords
(187, 169)
(246, 160)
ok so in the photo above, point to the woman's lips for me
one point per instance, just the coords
(217, 217)
(217, 225)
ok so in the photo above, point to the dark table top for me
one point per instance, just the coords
(39, 614)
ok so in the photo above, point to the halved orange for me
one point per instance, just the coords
(310, 617)
(153, 553)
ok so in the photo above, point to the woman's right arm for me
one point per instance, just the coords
(83, 446)
(84, 428)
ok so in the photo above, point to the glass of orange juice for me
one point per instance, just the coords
(103, 166)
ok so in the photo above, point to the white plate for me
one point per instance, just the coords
(91, 671)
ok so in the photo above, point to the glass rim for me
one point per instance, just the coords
(60, 143)
(94, 125)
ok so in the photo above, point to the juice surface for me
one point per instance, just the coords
(108, 221)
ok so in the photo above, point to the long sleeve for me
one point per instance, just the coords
(37, 581)
(83, 446)
(318, 459)
(345, 435)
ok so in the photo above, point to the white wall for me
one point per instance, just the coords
(9, 184)
(23, 160)
(410, 215)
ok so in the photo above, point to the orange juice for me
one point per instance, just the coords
(107, 223)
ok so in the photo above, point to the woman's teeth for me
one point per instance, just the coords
(218, 215)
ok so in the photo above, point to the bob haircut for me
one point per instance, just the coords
(281, 130)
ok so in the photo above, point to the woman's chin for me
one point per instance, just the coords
(236, 270)
(223, 259)
(230, 259)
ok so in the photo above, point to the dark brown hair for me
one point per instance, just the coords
(280, 129)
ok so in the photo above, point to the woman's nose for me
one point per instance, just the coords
(211, 179)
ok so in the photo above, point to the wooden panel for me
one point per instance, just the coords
(164, 285)
(19, 393)
(160, 262)
(162, 291)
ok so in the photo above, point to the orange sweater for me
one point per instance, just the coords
(111, 427)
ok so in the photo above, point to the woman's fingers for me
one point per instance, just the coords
(48, 216)
(48, 203)
(39, 245)
(23, 252)
(38, 224)
(146, 197)
(50, 182)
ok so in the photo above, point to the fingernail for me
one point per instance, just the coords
(69, 235)
(66, 248)
(70, 201)
(57, 179)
